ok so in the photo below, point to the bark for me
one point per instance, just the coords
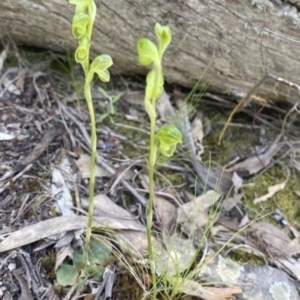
(238, 40)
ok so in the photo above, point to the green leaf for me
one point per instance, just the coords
(80, 24)
(98, 252)
(168, 136)
(82, 51)
(164, 37)
(80, 284)
(98, 275)
(101, 63)
(147, 52)
(66, 275)
(78, 260)
(95, 271)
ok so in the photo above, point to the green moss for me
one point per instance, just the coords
(48, 263)
(243, 257)
(169, 176)
(237, 141)
(286, 200)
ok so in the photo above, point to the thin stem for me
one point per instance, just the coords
(152, 155)
(152, 161)
(87, 93)
(88, 97)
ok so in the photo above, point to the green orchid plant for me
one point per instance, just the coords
(108, 105)
(165, 139)
(82, 26)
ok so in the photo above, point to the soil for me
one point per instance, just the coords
(43, 119)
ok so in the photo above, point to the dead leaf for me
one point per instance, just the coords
(237, 182)
(8, 84)
(164, 108)
(165, 211)
(65, 252)
(293, 265)
(233, 201)
(217, 228)
(21, 80)
(43, 229)
(48, 137)
(3, 56)
(294, 246)
(254, 164)
(193, 215)
(194, 288)
(83, 164)
(62, 194)
(175, 256)
(24, 284)
(104, 206)
(65, 239)
(197, 126)
(133, 242)
(272, 190)
(134, 97)
(6, 136)
(109, 278)
(272, 238)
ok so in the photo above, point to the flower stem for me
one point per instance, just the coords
(152, 161)
(152, 155)
(88, 97)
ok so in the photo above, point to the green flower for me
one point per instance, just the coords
(164, 36)
(80, 24)
(100, 66)
(82, 51)
(147, 52)
(167, 137)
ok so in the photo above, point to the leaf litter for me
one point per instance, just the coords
(44, 176)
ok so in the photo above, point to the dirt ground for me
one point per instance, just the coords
(250, 228)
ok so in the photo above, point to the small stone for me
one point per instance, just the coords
(20, 137)
(11, 267)
(4, 117)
